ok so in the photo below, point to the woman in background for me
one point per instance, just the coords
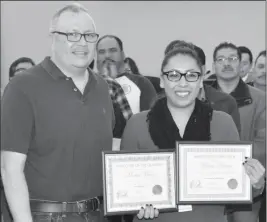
(130, 66)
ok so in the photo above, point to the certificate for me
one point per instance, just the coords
(213, 173)
(132, 180)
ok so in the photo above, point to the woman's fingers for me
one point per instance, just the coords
(256, 165)
(156, 212)
(141, 213)
(147, 212)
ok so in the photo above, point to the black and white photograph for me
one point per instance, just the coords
(130, 111)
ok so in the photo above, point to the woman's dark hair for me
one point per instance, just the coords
(262, 53)
(187, 51)
(92, 64)
(132, 65)
(13, 66)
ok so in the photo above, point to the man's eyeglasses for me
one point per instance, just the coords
(175, 75)
(76, 37)
(231, 59)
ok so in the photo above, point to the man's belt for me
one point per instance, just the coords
(65, 207)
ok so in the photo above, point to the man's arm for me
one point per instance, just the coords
(17, 123)
(15, 186)
(148, 94)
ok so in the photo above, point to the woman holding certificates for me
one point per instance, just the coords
(180, 116)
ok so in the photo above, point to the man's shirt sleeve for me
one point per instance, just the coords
(17, 120)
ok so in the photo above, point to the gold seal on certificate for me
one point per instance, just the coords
(212, 173)
(132, 180)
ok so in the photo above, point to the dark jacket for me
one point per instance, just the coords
(222, 102)
(156, 83)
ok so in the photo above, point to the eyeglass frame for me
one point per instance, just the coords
(224, 59)
(181, 75)
(81, 35)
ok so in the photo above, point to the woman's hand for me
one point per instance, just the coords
(148, 213)
(256, 172)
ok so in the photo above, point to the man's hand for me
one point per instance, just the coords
(148, 213)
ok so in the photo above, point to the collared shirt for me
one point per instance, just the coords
(62, 131)
(245, 77)
(118, 97)
(241, 92)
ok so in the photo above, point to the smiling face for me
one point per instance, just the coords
(73, 55)
(181, 93)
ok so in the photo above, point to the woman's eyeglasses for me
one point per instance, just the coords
(175, 75)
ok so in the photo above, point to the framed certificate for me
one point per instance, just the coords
(132, 180)
(213, 173)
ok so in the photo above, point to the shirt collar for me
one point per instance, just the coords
(241, 93)
(245, 78)
(56, 73)
(52, 69)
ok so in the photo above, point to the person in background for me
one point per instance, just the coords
(20, 65)
(260, 71)
(181, 116)
(260, 83)
(252, 108)
(122, 109)
(130, 66)
(139, 92)
(246, 65)
(218, 100)
(57, 118)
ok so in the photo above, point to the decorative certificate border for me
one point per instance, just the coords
(182, 151)
(111, 158)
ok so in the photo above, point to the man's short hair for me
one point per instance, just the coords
(117, 39)
(244, 49)
(226, 45)
(73, 7)
(262, 53)
(13, 66)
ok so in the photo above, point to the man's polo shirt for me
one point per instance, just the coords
(62, 131)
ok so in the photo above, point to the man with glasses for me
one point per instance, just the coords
(57, 118)
(251, 105)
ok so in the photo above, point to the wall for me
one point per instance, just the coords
(145, 27)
